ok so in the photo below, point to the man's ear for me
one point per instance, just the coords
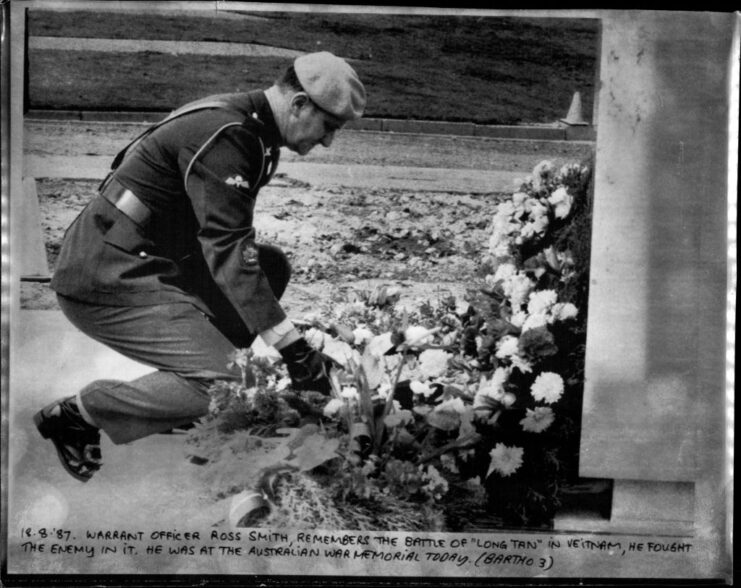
(298, 101)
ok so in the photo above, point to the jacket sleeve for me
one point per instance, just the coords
(221, 179)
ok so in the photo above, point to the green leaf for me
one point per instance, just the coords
(445, 420)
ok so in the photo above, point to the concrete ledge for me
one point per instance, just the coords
(428, 127)
(521, 132)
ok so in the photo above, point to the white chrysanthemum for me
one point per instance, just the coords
(433, 362)
(561, 201)
(504, 272)
(538, 420)
(462, 307)
(535, 208)
(350, 393)
(517, 289)
(544, 169)
(333, 407)
(416, 335)
(518, 318)
(507, 347)
(362, 336)
(563, 311)
(547, 387)
(501, 250)
(533, 321)
(505, 209)
(540, 302)
(568, 169)
(518, 198)
(536, 227)
(505, 460)
(316, 338)
(384, 390)
(421, 388)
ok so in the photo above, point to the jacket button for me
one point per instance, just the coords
(142, 254)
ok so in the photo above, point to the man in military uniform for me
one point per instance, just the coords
(163, 265)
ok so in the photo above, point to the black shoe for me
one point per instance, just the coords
(76, 441)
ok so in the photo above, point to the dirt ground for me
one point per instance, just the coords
(336, 237)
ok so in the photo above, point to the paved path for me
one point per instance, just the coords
(318, 175)
(170, 47)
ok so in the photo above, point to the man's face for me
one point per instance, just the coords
(309, 125)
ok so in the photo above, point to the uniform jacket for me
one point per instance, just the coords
(199, 175)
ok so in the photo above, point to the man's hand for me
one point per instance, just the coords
(308, 368)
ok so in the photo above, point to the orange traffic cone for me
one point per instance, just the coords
(574, 117)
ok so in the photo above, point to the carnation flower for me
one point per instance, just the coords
(541, 301)
(506, 347)
(563, 311)
(547, 387)
(505, 460)
(421, 388)
(333, 407)
(315, 338)
(561, 201)
(416, 335)
(362, 336)
(538, 420)
(433, 362)
(350, 393)
(508, 399)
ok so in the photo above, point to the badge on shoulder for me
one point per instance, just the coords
(238, 181)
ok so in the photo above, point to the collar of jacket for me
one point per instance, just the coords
(261, 106)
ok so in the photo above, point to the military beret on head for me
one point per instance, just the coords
(332, 84)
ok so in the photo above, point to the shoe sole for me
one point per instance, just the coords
(40, 421)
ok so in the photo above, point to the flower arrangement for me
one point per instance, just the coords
(442, 405)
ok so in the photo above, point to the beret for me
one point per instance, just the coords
(332, 84)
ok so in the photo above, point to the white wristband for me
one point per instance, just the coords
(274, 334)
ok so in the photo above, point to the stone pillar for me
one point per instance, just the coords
(653, 417)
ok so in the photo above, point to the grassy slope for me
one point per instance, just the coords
(487, 70)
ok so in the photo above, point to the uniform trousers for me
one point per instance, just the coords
(189, 350)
